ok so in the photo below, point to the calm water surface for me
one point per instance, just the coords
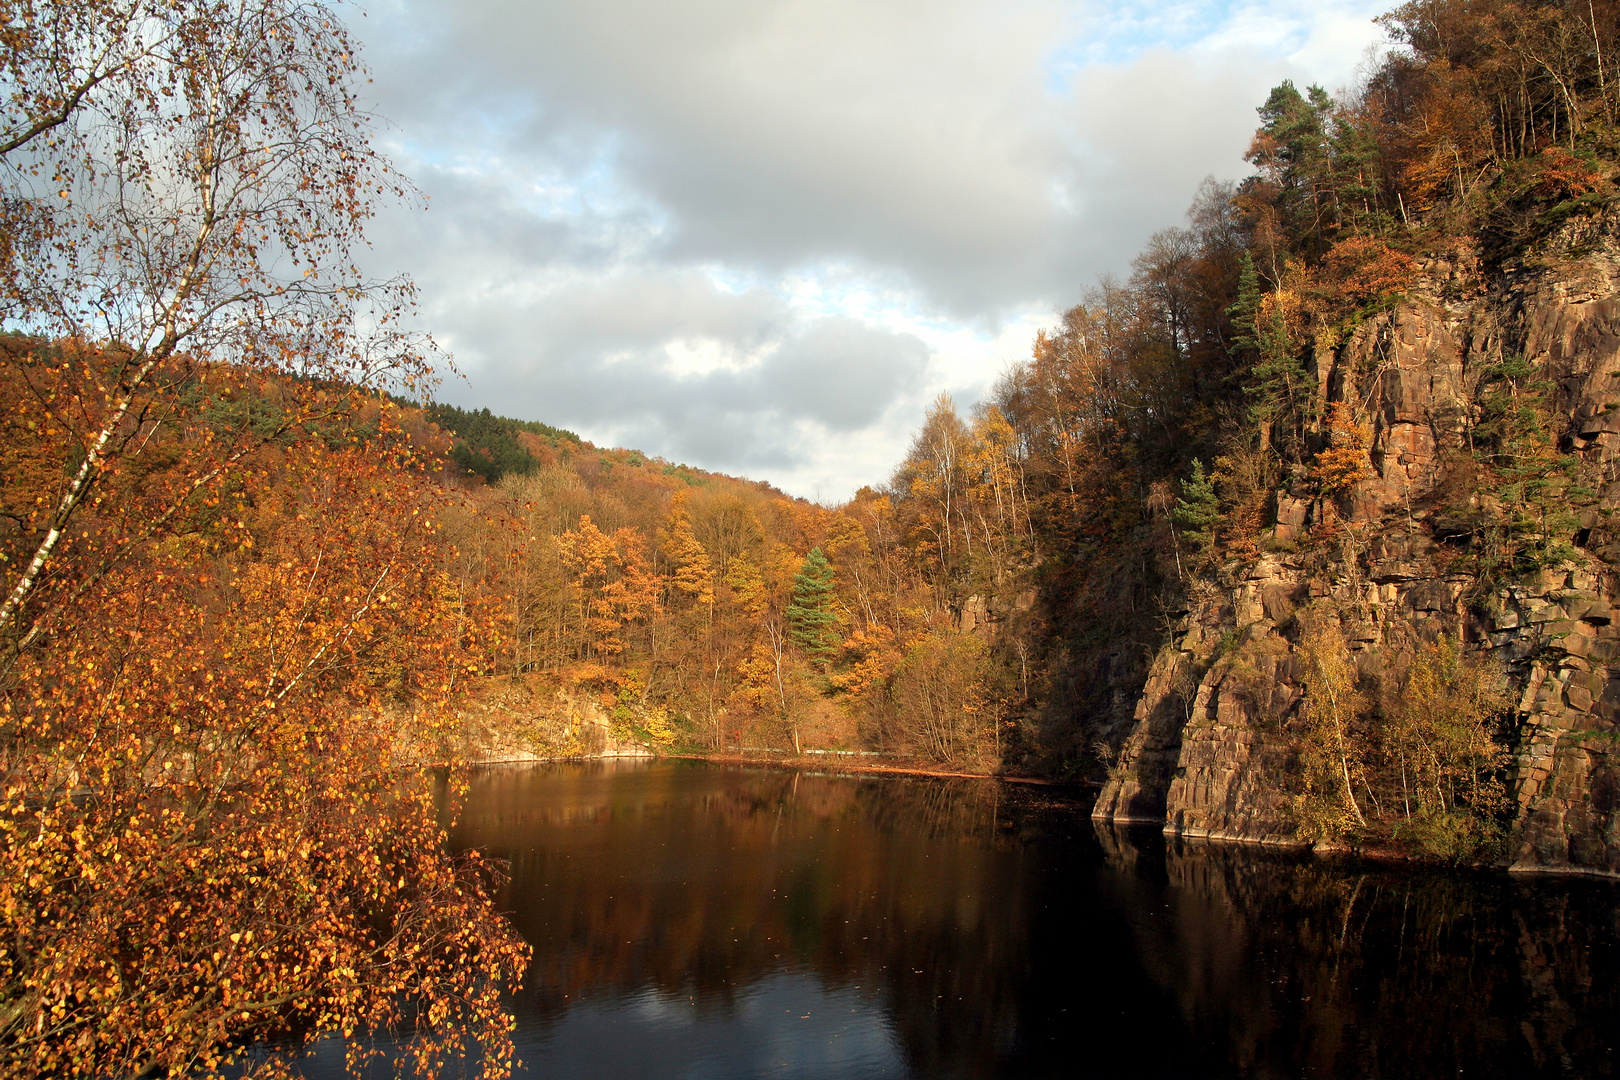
(698, 921)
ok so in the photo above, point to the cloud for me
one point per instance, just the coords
(915, 135)
(676, 364)
(762, 234)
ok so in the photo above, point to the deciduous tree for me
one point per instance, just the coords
(226, 644)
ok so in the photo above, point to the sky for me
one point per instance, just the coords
(762, 236)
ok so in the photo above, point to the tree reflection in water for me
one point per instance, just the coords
(695, 882)
(697, 920)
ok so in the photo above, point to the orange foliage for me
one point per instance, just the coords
(1343, 462)
(871, 654)
(692, 578)
(1562, 175)
(215, 814)
(228, 648)
(1442, 144)
(1364, 269)
(613, 584)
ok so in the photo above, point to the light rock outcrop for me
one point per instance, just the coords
(524, 723)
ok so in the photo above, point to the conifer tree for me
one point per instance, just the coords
(1292, 151)
(1277, 384)
(809, 614)
(1247, 308)
(1359, 168)
(1198, 509)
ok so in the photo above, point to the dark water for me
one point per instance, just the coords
(698, 921)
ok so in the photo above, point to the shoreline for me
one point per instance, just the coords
(822, 764)
(791, 761)
(1376, 854)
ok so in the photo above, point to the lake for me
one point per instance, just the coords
(692, 920)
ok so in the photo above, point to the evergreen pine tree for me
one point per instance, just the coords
(809, 614)
(1247, 308)
(1279, 386)
(1292, 149)
(1277, 383)
(1198, 509)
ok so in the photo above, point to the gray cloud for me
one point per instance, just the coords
(628, 199)
(617, 357)
(916, 134)
(843, 374)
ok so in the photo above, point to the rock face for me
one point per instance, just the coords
(1206, 755)
(523, 724)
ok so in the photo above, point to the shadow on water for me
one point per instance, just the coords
(692, 920)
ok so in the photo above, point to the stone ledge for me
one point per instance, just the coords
(1192, 832)
(1565, 870)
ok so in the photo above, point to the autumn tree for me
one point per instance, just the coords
(998, 496)
(691, 576)
(217, 698)
(297, 651)
(942, 698)
(1328, 741)
(1342, 463)
(613, 585)
(203, 185)
(1443, 764)
(933, 477)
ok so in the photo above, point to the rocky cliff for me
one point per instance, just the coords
(1207, 753)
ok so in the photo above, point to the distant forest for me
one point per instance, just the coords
(489, 445)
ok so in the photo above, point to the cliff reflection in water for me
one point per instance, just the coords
(694, 920)
(1298, 967)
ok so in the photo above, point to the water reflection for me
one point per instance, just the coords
(698, 921)
(1300, 967)
(784, 1024)
(895, 901)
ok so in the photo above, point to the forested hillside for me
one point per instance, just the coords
(1003, 598)
(643, 602)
